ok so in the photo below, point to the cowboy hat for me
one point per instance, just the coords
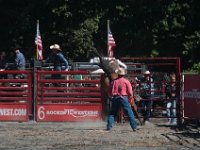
(121, 71)
(147, 72)
(55, 46)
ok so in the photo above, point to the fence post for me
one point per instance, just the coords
(36, 65)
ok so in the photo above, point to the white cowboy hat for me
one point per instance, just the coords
(97, 71)
(147, 72)
(121, 71)
(55, 46)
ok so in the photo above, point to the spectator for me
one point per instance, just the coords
(145, 87)
(20, 62)
(121, 91)
(58, 60)
(135, 85)
(170, 91)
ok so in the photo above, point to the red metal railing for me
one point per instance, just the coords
(79, 89)
(15, 92)
(158, 66)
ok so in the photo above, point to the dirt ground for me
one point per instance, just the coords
(92, 135)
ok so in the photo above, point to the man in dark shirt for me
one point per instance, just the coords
(170, 91)
(145, 93)
(58, 60)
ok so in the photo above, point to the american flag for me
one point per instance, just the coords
(38, 43)
(111, 42)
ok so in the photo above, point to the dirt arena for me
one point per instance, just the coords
(93, 136)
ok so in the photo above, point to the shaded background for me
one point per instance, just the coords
(140, 28)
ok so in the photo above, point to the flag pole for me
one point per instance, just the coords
(108, 23)
(37, 44)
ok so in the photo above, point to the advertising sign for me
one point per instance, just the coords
(62, 112)
(14, 112)
(192, 96)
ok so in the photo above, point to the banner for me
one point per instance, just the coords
(192, 96)
(13, 112)
(73, 112)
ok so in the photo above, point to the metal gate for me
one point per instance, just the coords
(68, 96)
(76, 95)
(158, 67)
(15, 95)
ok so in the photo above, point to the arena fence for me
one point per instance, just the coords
(77, 95)
(68, 96)
(15, 95)
(158, 67)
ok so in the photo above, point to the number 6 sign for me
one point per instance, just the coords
(41, 113)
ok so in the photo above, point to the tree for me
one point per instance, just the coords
(140, 28)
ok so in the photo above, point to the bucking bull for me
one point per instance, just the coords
(109, 66)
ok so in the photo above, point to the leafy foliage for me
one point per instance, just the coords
(140, 28)
(196, 67)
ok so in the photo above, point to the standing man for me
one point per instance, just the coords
(171, 96)
(121, 91)
(145, 93)
(20, 62)
(58, 60)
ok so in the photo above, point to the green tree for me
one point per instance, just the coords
(140, 28)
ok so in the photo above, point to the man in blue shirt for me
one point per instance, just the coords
(58, 60)
(20, 61)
